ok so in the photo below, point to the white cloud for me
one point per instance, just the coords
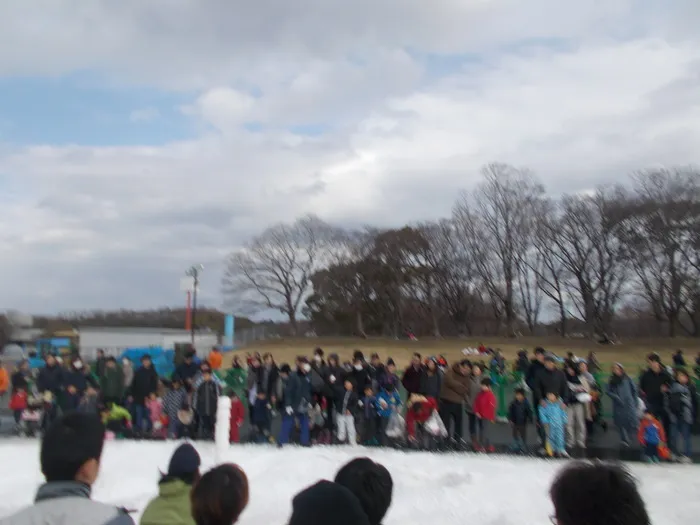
(582, 93)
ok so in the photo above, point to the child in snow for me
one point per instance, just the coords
(368, 417)
(260, 421)
(154, 405)
(485, 411)
(345, 406)
(174, 400)
(519, 415)
(116, 419)
(419, 410)
(554, 419)
(237, 418)
(388, 402)
(652, 438)
(18, 404)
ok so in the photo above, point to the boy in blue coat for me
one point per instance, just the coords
(388, 401)
(554, 418)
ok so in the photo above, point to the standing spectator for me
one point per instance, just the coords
(533, 372)
(611, 496)
(220, 496)
(593, 363)
(455, 388)
(519, 416)
(360, 372)
(681, 407)
(335, 376)
(553, 417)
(431, 380)
(187, 370)
(371, 484)
(70, 461)
(144, 384)
(623, 392)
(253, 383)
(128, 371)
(652, 438)
(100, 362)
(485, 410)
(679, 359)
(551, 379)
(205, 401)
(112, 382)
(20, 378)
(215, 358)
(237, 416)
(376, 371)
(654, 381)
(268, 378)
(175, 400)
(74, 385)
(4, 380)
(297, 400)
(390, 376)
(412, 375)
(368, 417)
(579, 394)
(345, 407)
(522, 363)
(172, 505)
(474, 389)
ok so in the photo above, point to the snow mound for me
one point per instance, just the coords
(449, 488)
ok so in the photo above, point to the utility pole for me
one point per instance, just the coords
(194, 272)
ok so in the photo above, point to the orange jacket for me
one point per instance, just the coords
(645, 424)
(4, 380)
(216, 359)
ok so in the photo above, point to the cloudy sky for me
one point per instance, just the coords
(138, 137)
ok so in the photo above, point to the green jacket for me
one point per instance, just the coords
(112, 383)
(117, 413)
(171, 507)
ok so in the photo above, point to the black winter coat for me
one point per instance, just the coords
(430, 385)
(551, 381)
(50, 379)
(342, 404)
(75, 378)
(533, 372)
(144, 384)
(650, 385)
(520, 413)
(411, 379)
(206, 398)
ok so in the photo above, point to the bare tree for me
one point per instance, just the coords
(497, 223)
(274, 269)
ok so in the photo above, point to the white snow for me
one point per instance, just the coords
(429, 488)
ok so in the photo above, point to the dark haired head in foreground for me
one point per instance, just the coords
(70, 460)
(371, 484)
(610, 491)
(325, 503)
(220, 496)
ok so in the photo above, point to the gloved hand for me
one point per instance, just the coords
(360, 404)
(290, 411)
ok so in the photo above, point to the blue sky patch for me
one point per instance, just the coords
(78, 109)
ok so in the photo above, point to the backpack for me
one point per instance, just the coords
(675, 403)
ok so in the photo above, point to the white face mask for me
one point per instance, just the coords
(78, 365)
(358, 367)
(306, 367)
(317, 358)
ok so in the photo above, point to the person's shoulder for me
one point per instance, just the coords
(70, 510)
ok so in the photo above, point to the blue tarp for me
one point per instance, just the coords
(163, 360)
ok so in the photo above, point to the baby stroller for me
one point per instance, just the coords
(30, 421)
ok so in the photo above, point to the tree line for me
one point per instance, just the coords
(511, 259)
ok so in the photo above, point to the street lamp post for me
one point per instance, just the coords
(194, 272)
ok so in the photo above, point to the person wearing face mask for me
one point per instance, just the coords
(360, 373)
(297, 399)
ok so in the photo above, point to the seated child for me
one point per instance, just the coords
(237, 418)
(652, 438)
(554, 418)
(485, 412)
(116, 419)
(519, 415)
(367, 405)
(419, 410)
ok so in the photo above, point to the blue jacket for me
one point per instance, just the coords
(261, 415)
(553, 414)
(392, 400)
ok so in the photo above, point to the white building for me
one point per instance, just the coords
(114, 340)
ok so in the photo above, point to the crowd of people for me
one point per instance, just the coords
(323, 400)
(360, 494)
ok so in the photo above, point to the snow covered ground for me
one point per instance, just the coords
(451, 489)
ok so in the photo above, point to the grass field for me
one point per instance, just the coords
(629, 352)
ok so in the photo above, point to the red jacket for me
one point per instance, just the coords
(237, 412)
(427, 408)
(18, 401)
(485, 405)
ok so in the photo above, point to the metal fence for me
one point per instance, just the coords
(256, 333)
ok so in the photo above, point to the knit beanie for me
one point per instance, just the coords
(327, 503)
(185, 461)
